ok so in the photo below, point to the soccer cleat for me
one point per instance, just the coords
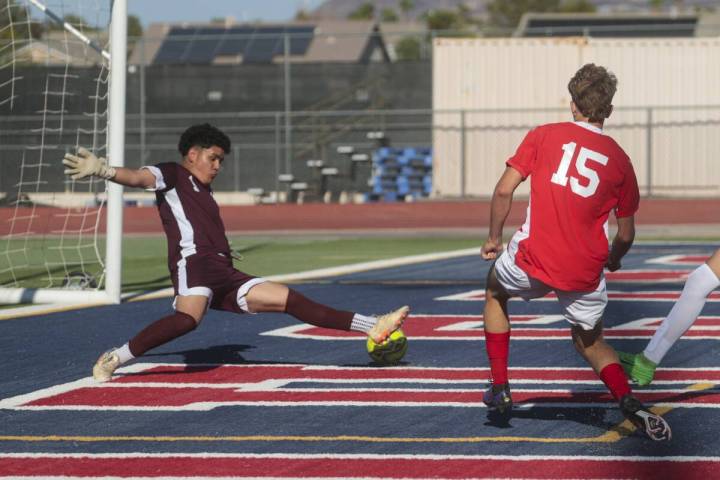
(638, 367)
(106, 365)
(498, 401)
(653, 425)
(388, 323)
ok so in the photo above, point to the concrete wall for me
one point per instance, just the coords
(667, 109)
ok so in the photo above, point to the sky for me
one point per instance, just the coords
(151, 11)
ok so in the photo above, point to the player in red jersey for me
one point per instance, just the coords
(700, 283)
(199, 256)
(578, 175)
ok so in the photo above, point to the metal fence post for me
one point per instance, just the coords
(288, 104)
(648, 163)
(236, 169)
(277, 157)
(462, 154)
(143, 104)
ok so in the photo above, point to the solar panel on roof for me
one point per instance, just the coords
(202, 47)
(300, 38)
(266, 43)
(173, 49)
(234, 41)
(255, 44)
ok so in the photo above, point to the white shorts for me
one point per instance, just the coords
(584, 309)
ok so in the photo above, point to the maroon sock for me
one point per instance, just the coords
(304, 309)
(616, 381)
(161, 331)
(498, 346)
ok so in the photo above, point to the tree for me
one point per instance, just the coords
(577, 6)
(443, 20)
(366, 11)
(389, 15)
(302, 15)
(405, 7)
(134, 27)
(408, 48)
(507, 13)
(18, 15)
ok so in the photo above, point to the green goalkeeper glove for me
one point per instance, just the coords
(86, 164)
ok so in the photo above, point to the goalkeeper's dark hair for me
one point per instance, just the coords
(205, 136)
(592, 89)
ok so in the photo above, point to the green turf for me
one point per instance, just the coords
(145, 258)
(146, 268)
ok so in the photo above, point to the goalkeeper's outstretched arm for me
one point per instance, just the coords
(86, 164)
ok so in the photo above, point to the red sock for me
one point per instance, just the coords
(304, 309)
(498, 345)
(162, 331)
(616, 381)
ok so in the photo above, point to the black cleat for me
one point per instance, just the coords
(499, 401)
(653, 425)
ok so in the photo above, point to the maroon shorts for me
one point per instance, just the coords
(213, 276)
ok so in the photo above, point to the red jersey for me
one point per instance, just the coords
(578, 175)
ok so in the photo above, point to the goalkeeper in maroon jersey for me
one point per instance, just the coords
(578, 175)
(199, 256)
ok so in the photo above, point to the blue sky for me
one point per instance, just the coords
(202, 10)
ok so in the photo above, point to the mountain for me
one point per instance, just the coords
(340, 9)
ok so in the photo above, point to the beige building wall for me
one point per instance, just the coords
(667, 113)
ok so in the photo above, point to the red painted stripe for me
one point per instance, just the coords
(259, 373)
(663, 295)
(646, 275)
(451, 468)
(174, 397)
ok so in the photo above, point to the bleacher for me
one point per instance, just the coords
(401, 174)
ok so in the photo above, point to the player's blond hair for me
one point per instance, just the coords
(592, 89)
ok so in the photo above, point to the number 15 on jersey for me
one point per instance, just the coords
(560, 177)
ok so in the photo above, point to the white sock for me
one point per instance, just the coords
(362, 323)
(699, 284)
(124, 354)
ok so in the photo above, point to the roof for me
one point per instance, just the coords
(328, 41)
(606, 25)
(60, 48)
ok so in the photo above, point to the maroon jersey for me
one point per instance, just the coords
(578, 175)
(189, 214)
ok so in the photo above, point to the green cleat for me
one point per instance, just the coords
(637, 367)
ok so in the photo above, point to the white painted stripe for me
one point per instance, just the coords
(11, 402)
(209, 406)
(369, 456)
(139, 367)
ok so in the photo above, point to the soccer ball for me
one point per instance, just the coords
(389, 352)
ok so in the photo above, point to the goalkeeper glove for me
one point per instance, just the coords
(85, 164)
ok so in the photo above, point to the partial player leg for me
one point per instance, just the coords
(700, 283)
(497, 342)
(603, 359)
(275, 297)
(189, 312)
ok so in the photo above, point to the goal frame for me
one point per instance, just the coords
(112, 291)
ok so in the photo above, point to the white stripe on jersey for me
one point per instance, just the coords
(187, 234)
(159, 179)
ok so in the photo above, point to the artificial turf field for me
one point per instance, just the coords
(266, 397)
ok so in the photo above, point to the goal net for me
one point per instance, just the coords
(54, 97)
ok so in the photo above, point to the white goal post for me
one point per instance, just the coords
(52, 250)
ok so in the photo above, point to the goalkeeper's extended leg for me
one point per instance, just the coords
(275, 297)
